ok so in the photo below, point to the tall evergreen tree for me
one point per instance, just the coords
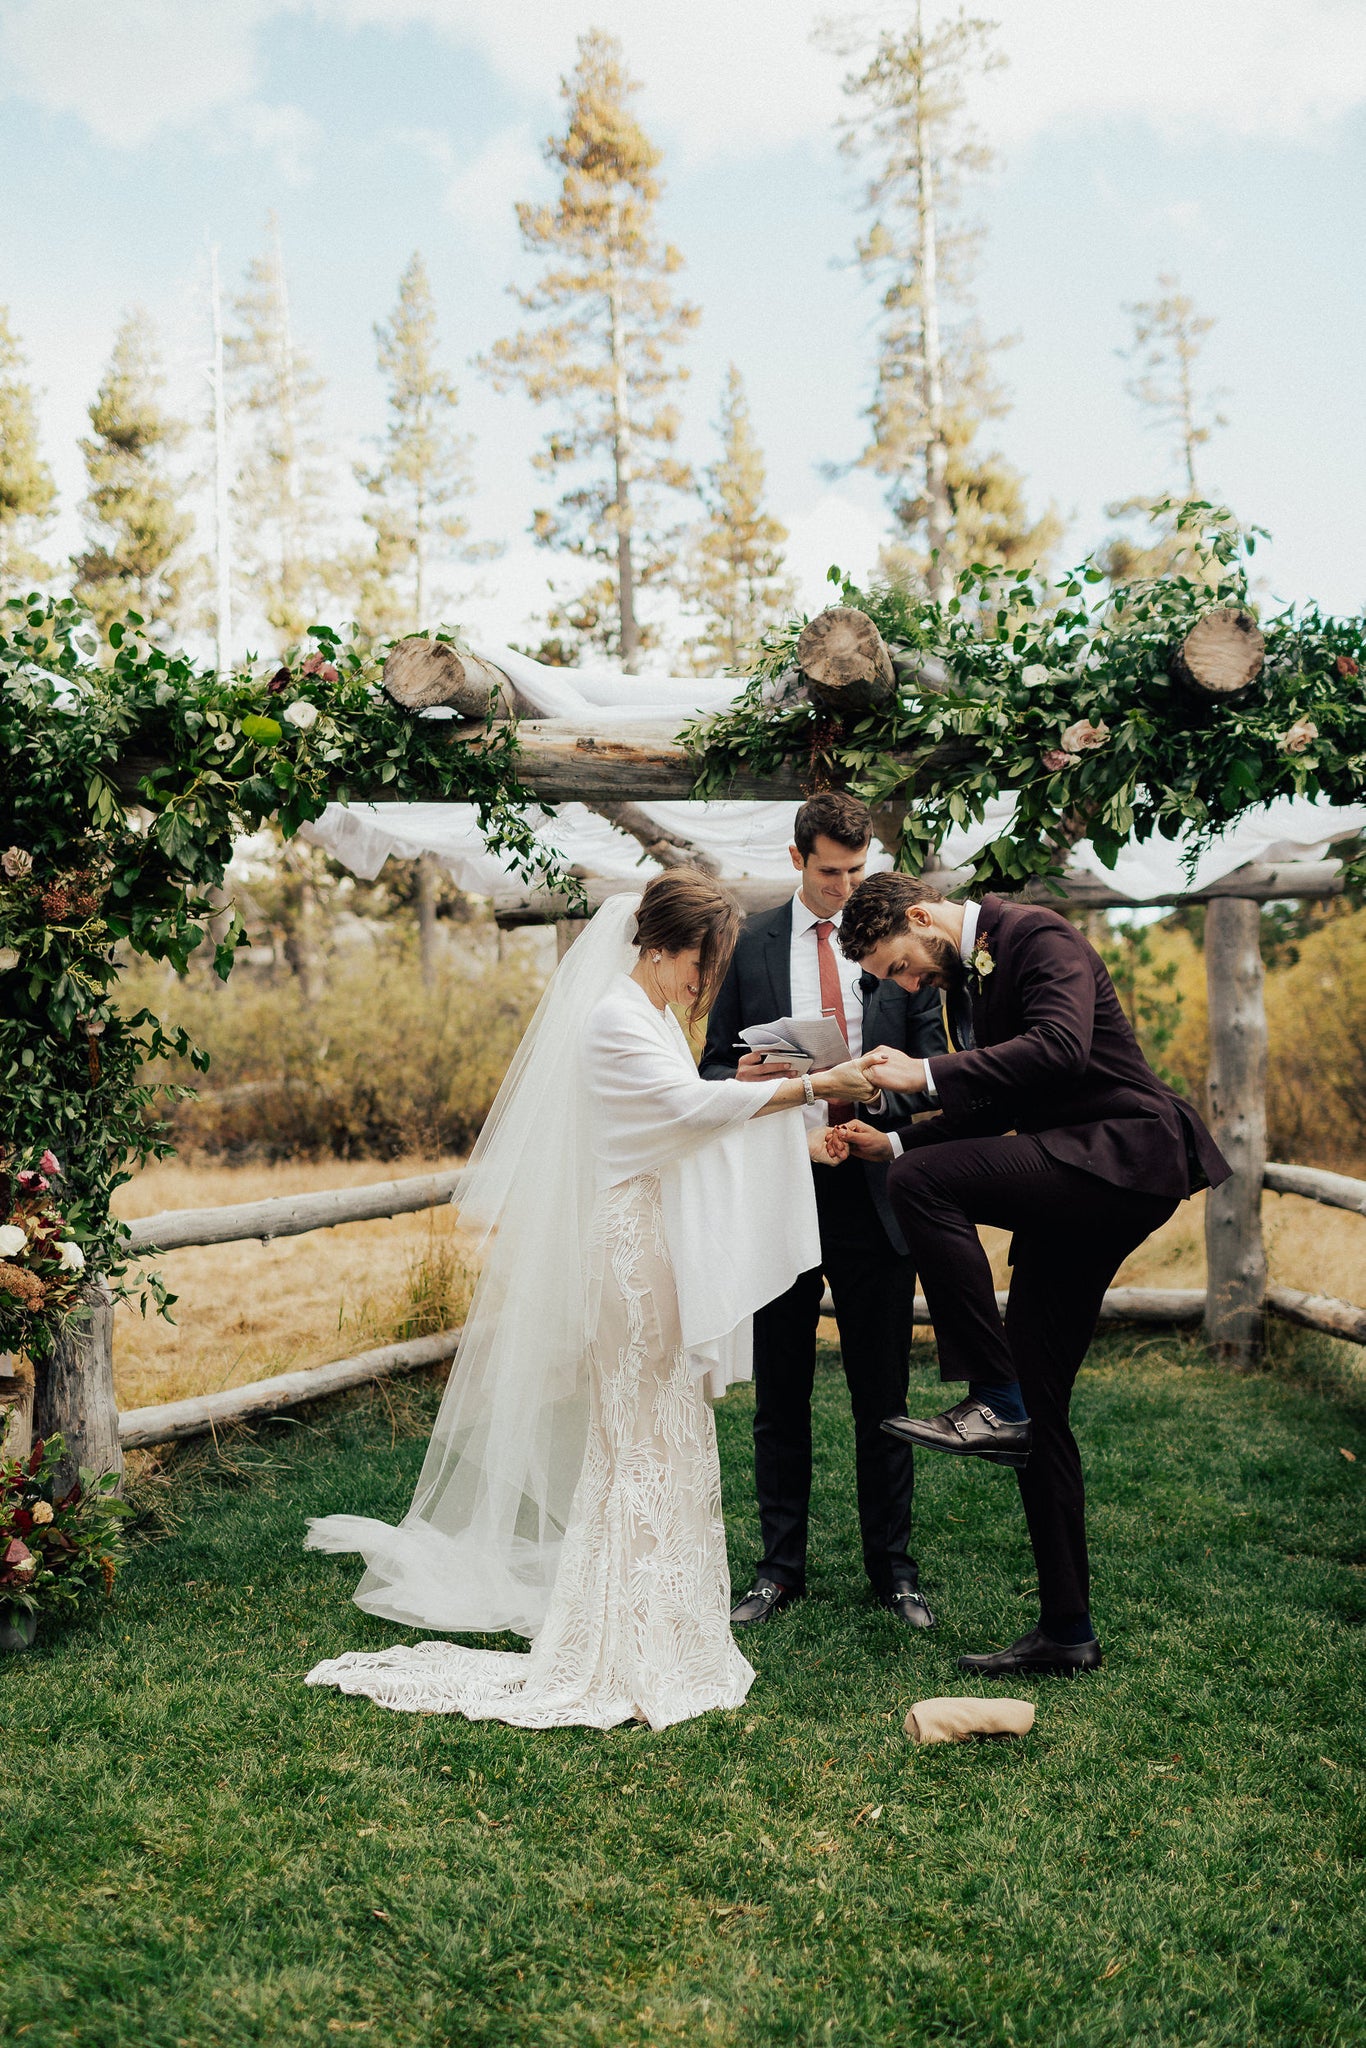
(1169, 338)
(282, 494)
(422, 471)
(934, 388)
(733, 580)
(28, 495)
(135, 531)
(603, 355)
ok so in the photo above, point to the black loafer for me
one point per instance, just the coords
(1035, 1652)
(971, 1430)
(909, 1604)
(764, 1599)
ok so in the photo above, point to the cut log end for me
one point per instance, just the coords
(1221, 655)
(421, 674)
(845, 660)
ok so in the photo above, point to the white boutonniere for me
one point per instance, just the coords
(980, 963)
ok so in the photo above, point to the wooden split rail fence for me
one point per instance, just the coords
(85, 1359)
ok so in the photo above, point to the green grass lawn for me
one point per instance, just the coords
(197, 1849)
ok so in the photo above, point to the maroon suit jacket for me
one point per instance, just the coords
(1056, 1056)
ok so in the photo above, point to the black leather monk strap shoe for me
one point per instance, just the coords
(909, 1604)
(1034, 1652)
(764, 1599)
(971, 1430)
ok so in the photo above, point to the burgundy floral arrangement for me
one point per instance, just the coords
(55, 1549)
(41, 1264)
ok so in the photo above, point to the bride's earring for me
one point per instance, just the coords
(656, 957)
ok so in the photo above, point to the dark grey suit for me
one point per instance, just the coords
(863, 1255)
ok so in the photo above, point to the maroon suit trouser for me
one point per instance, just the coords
(1072, 1232)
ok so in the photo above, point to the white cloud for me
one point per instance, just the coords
(726, 80)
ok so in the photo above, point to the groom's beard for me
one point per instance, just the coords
(946, 969)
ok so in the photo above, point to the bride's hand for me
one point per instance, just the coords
(827, 1145)
(751, 1067)
(849, 1082)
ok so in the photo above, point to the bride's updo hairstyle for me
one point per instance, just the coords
(685, 908)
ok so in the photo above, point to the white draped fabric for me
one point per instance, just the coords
(751, 839)
(571, 1490)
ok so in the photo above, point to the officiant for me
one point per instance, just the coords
(788, 964)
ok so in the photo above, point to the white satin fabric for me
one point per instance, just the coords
(693, 1215)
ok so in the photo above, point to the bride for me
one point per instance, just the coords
(637, 1216)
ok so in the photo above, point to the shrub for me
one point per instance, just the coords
(376, 1067)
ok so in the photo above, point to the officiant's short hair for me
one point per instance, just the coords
(832, 815)
(877, 911)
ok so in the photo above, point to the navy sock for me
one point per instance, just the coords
(1069, 1629)
(1004, 1399)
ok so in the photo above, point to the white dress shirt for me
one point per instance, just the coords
(806, 984)
(971, 913)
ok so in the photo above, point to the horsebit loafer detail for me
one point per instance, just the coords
(764, 1599)
(971, 1430)
(908, 1604)
(1034, 1652)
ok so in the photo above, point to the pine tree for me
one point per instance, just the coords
(603, 354)
(28, 496)
(934, 386)
(733, 579)
(1169, 337)
(283, 488)
(135, 532)
(423, 470)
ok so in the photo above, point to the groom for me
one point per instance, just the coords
(787, 964)
(1053, 1126)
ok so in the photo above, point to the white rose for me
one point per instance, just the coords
(9, 959)
(41, 1511)
(301, 713)
(71, 1256)
(12, 1241)
(1035, 676)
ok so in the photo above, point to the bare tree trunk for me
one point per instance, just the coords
(1234, 1249)
(621, 458)
(936, 450)
(566, 931)
(75, 1391)
(428, 875)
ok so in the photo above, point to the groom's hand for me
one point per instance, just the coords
(895, 1070)
(827, 1145)
(863, 1141)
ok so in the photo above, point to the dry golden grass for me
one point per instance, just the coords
(246, 1311)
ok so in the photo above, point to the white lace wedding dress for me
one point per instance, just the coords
(697, 1216)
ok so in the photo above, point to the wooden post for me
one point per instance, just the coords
(75, 1392)
(428, 879)
(1234, 1249)
(16, 1407)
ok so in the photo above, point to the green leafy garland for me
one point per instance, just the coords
(1061, 696)
(122, 787)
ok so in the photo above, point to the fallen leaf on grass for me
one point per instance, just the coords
(1329, 1761)
(1113, 1969)
(487, 1819)
(868, 1813)
(378, 1913)
(1350, 1456)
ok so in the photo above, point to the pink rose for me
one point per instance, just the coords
(316, 666)
(31, 1182)
(1301, 735)
(1083, 737)
(49, 1164)
(1054, 759)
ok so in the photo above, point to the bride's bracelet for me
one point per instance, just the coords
(808, 1091)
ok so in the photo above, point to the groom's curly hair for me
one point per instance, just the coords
(686, 908)
(877, 911)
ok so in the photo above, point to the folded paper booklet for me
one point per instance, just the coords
(808, 1042)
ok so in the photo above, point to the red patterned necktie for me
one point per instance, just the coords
(832, 1004)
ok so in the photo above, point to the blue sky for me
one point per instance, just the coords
(1226, 144)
